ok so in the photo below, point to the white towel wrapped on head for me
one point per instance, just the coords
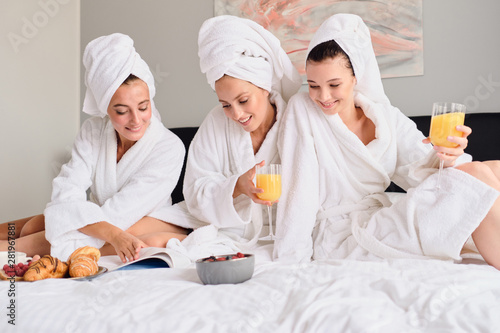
(108, 61)
(353, 36)
(245, 50)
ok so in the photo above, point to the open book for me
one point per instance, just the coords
(149, 257)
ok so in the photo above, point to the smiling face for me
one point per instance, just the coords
(130, 111)
(245, 103)
(331, 84)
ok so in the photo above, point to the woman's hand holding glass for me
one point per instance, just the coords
(245, 185)
(266, 191)
(444, 132)
(449, 155)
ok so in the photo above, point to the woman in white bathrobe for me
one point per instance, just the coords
(124, 154)
(252, 77)
(343, 143)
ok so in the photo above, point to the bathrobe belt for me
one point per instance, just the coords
(372, 201)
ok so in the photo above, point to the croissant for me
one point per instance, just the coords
(83, 265)
(83, 262)
(88, 250)
(46, 267)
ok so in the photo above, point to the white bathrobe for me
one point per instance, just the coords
(333, 203)
(120, 193)
(219, 154)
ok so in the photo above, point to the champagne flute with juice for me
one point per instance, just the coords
(445, 118)
(268, 178)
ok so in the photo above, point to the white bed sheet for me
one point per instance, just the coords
(331, 296)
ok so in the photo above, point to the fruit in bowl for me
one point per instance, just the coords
(228, 268)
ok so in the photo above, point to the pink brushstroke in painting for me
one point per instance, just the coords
(396, 27)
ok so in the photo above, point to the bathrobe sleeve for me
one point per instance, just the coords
(69, 208)
(296, 215)
(415, 160)
(211, 178)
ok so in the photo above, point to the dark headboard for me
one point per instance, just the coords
(186, 134)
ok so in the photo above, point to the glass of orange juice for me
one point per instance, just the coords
(268, 178)
(445, 118)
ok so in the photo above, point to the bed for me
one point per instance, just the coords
(321, 296)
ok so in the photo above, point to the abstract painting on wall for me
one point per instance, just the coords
(395, 26)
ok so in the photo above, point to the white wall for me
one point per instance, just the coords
(461, 52)
(461, 59)
(39, 99)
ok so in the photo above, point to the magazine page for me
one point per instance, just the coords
(171, 257)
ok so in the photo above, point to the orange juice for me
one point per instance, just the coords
(443, 126)
(271, 184)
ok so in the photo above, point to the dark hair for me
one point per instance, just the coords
(130, 78)
(329, 49)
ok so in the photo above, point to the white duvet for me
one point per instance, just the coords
(330, 296)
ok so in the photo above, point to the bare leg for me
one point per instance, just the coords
(148, 225)
(34, 225)
(487, 235)
(160, 239)
(30, 244)
(494, 166)
(18, 226)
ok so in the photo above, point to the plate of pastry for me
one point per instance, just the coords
(8, 275)
(81, 265)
